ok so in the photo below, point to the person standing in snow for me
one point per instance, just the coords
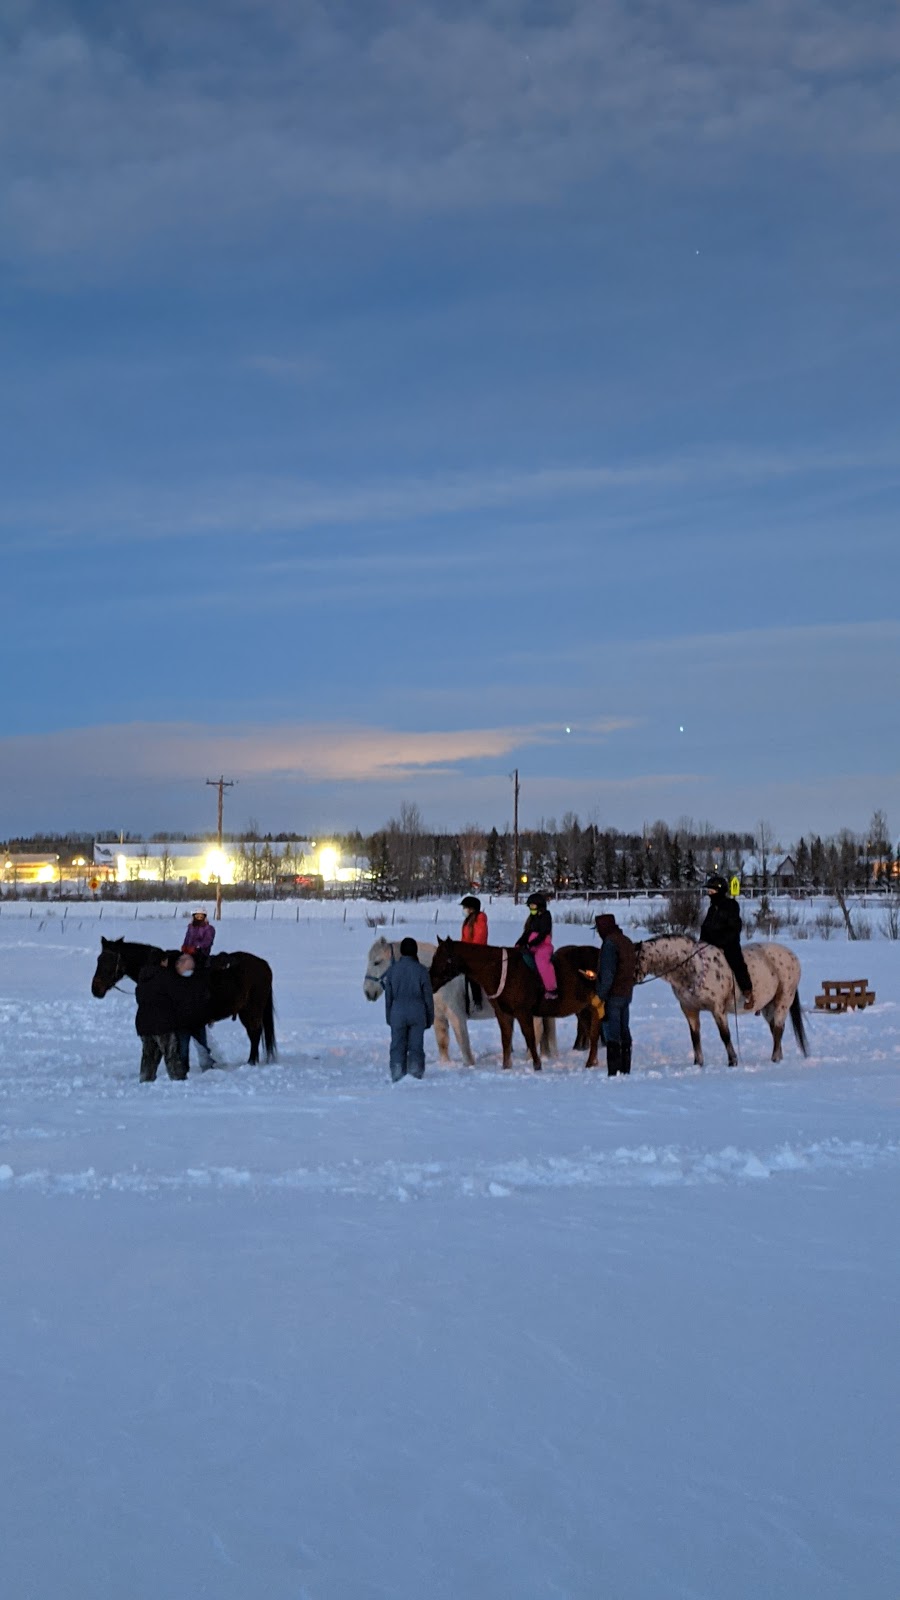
(192, 1005)
(156, 1020)
(722, 927)
(536, 941)
(474, 931)
(615, 987)
(408, 1011)
(199, 938)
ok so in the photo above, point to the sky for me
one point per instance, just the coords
(394, 394)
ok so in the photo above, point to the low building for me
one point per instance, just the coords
(306, 863)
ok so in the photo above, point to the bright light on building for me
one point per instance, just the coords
(121, 869)
(219, 868)
(46, 874)
(329, 861)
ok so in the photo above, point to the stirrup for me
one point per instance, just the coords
(747, 997)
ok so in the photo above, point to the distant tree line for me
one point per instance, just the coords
(406, 860)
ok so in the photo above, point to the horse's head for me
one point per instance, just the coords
(109, 969)
(381, 958)
(445, 963)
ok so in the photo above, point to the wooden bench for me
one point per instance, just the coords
(848, 994)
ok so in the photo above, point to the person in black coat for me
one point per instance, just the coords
(156, 1020)
(722, 927)
(408, 1010)
(536, 943)
(192, 1007)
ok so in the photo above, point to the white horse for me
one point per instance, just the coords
(449, 1002)
(702, 980)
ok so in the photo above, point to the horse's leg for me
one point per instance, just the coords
(442, 1034)
(506, 1032)
(549, 1049)
(725, 1036)
(252, 1023)
(526, 1023)
(693, 1021)
(593, 1027)
(776, 1016)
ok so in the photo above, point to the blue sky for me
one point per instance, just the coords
(387, 388)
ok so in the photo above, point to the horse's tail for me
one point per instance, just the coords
(797, 1020)
(268, 1023)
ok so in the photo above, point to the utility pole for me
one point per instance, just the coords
(221, 784)
(516, 837)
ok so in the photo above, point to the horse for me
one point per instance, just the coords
(449, 1004)
(241, 986)
(702, 980)
(515, 989)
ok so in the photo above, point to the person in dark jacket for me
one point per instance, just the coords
(192, 1004)
(615, 986)
(722, 927)
(408, 1010)
(156, 1020)
(536, 941)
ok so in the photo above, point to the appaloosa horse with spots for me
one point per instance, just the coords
(702, 980)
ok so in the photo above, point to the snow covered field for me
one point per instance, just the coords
(291, 1332)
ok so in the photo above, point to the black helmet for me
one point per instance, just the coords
(471, 903)
(538, 900)
(716, 884)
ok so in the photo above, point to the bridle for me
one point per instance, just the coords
(374, 977)
(651, 977)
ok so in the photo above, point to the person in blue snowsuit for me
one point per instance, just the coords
(408, 1010)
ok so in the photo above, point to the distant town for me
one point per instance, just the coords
(405, 860)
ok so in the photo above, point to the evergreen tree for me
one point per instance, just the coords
(588, 867)
(384, 876)
(492, 873)
(676, 867)
(456, 875)
(801, 863)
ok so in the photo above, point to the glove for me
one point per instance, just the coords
(599, 1006)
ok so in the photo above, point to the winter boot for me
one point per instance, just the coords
(614, 1059)
(626, 1057)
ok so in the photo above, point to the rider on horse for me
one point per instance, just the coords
(722, 928)
(199, 938)
(536, 942)
(474, 931)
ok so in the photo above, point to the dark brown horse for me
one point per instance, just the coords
(241, 986)
(516, 992)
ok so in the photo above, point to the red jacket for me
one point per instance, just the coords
(475, 929)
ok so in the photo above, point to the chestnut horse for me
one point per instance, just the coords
(515, 991)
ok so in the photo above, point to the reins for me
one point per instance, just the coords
(652, 976)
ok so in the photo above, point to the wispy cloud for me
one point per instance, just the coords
(258, 107)
(162, 752)
(284, 506)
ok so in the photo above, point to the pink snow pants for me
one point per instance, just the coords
(543, 960)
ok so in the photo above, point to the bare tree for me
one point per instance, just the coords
(472, 844)
(405, 835)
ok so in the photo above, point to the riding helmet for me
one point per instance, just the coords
(539, 901)
(716, 884)
(471, 903)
